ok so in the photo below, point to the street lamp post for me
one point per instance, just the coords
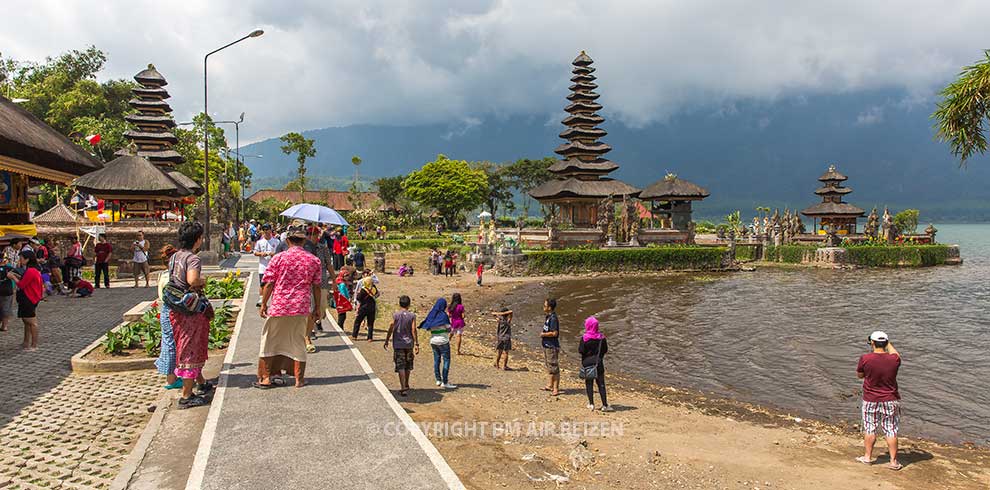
(206, 136)
(237, 139)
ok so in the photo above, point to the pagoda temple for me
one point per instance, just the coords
(580, 181)
(143, 177)
(832, 211)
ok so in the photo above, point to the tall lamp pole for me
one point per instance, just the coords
(206, 137)
(237, 139)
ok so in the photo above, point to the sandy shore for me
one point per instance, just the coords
(498, 430)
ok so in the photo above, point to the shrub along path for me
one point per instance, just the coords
(63, 430)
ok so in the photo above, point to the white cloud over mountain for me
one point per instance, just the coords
(329, 63)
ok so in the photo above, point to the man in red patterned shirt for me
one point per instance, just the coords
(292, 282)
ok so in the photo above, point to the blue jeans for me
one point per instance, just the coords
(438, 352)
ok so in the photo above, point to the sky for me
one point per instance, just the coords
(329, 63)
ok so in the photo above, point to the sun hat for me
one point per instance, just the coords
(297, 229)
(878, 336)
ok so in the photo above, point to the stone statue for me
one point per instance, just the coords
(604, 206)
(888, 232)
(624, 230)
(872, 224)
(634, 233)
(775, 228)
(931, 231)
(765, 229)
(632, 225)
(691, 231)
(831, 236)
(785, 226)
(756, 225)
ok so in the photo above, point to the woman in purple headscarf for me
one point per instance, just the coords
(592, 349)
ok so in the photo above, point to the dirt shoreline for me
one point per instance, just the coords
(498, 430)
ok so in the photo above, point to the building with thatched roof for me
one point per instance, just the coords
(580, 183)
(671, 199)
(832, 211)
(31, 153)
(58, 215)
(143, 179)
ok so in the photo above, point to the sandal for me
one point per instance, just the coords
(894, 467)
(278, 381)
(310, 348)
(262, 386)
(204, 388)
(192, 402)
(403, 393)
(862, 459)
(174, 385)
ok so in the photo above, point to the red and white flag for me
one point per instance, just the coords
(93, 139)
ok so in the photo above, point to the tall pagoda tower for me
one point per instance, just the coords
(580, 181)
(832, 210)
(143, 177)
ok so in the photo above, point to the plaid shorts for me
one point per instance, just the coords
(551, 358)
(885, 416)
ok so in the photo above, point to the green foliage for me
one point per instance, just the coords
(907, 221)
(403, 244)
(526, 174)
(146, 333)
(897, 255)
(705, 227)
(230, 287)
(303, 148)
(745, 253)
(499, 187)
(962, 113)
(790, 254)
(390, 189)
(220, 329)
(449, 186)
(645, 259)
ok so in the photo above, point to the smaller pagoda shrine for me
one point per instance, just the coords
(143, 177)
(580, 181)
(670, 200)
(832, 211)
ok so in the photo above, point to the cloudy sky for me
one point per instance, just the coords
(338, 62)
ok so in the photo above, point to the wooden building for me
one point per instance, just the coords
(832, 210)
(670, 202)
(143, 179)
(32, 153)
(580, 183)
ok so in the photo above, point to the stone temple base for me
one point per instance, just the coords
(830, 257)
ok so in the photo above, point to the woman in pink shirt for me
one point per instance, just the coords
(456, 313)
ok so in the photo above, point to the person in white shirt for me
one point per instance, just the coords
(264, 249)
(141, 265)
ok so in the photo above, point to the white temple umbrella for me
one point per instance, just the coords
(315, 213)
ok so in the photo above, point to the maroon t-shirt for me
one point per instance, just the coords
(880, 383)
(103, 251)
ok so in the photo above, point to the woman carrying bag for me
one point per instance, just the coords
(593, 348)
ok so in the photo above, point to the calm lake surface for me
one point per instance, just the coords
(791, 338)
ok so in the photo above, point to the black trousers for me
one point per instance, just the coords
(104, 269)
(338, 261)
(589, 386)
(366, 311)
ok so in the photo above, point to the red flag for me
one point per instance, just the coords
(93, 139)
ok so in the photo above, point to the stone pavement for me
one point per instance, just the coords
(59, 430)
(343, 430)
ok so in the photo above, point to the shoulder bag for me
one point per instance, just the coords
(591, 372)
(180, 299)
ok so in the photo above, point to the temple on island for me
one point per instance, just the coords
(143, 177)
(832, 211)
(580, 182)
(670, 200)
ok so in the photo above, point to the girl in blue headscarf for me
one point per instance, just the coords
(438, 323)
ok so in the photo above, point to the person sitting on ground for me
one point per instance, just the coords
(593, 348)
(881, 400)
(503, 336)
(405, 342)
(80, 287)
(405, 270)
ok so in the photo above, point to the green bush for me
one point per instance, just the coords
(404, 245)
(644, 259)
(790, 254)
(146, 332)
(744, 253)
(230, 287)
(897, 255)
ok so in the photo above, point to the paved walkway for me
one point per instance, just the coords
(343, 430)
(59, 430)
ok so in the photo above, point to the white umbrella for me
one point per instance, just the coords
(315, 213)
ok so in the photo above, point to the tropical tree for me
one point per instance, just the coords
(907, 221)
(526, 174)
(499, 187)
(303, 148)
(963, 111)
(390, 189)
(449, 186)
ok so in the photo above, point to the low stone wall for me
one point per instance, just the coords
(120, 235)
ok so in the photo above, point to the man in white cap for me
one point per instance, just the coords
(881, 400)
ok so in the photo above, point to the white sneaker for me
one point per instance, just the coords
(607, 408)
(449, 386)
(591, 406)
(439, 383)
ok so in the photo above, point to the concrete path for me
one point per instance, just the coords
(343, 430)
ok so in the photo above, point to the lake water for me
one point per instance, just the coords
(791, 338)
